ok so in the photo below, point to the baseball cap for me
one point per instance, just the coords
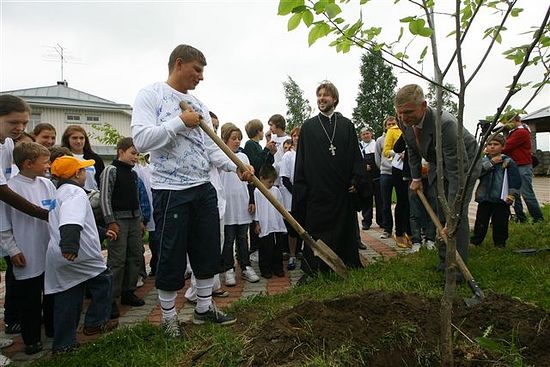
(67, 166)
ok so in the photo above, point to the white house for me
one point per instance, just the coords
(61, 106)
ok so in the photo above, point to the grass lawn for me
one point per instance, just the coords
(525, 277)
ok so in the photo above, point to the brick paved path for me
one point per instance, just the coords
(377, 249)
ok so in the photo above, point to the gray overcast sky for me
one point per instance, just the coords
(115, 48)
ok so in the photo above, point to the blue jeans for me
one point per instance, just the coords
(68, 307)
(238, 233)
(528, 194)
(419, 218)
(386, 188)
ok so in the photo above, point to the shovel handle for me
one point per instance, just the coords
(280, 208)
(459, 261)
(337, 265)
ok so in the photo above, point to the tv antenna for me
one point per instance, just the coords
(59, 54)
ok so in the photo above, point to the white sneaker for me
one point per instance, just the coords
(254, 256)
(4, 361)
(140, 283)
(415, 248)
(230, 280)
(250, 275)
(5, 342)
(172, 328)
(430, 245)
(385, 235)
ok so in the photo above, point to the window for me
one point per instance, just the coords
(36, 118)
(71, 118)
(92, 119)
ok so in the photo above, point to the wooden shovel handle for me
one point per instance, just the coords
(435, 219)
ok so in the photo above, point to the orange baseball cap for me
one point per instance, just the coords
(67, 166)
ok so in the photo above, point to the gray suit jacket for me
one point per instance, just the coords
(449, 127)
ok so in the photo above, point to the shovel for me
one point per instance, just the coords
(318, 247)
(478, 293)
(530, 251)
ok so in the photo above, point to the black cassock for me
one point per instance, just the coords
(320, 198)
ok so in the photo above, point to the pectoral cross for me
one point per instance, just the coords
(332, 149)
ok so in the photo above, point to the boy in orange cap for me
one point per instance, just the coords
(73, 260)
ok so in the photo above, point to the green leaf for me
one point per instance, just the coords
(425, 32)
(424, 52)
(307, 17)
(319, 7)
(407, 19)
(363, 2)
(332, 10)
(400, 34)
(286, 6)
(294, 21)
(416, 26)
(319, 30)
(451, 34)
(515, 12)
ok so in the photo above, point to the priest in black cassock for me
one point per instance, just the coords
(328, 182)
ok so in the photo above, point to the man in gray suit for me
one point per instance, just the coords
(417, 121)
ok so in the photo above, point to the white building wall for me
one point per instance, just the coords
(120, 120)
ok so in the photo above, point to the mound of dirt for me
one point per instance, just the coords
(396, 329)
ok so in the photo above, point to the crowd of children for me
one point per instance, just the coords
(52, 229)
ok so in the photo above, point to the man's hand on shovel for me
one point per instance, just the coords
(192, 119)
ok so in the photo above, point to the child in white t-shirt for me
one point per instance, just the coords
(238, 212)
(286, 172)
(30, 240)
(269, 226)
(74, 260)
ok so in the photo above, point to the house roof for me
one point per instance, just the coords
(62, 96)
(540, 119)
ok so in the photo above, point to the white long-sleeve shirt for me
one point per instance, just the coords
(181, 157)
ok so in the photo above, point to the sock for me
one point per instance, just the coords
(204, 294)
(168, 304)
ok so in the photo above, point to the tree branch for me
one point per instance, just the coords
(504, 103)
(482, 61)
(478, 7)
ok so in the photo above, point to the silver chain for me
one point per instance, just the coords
(325, 130)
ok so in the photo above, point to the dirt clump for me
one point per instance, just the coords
(379, 328)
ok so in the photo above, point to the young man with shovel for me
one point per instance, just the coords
(184, 200)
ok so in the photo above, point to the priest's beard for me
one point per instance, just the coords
(327, 108)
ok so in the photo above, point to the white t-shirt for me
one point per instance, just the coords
(236, 196)
(91, 183)
(278, 156)
(287, 170)
(6, 160)
(181, 157)
(72, 207)
(270, 219)
(31, 234)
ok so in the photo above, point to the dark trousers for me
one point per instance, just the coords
(368, 209)
(235, 233)
(386, 189)
(12, 311)
(402, 224)
(188, 223)
(270, 253)
(154, 247)
(420, 221)
(498, 214)
(28, 293)
(68, 307)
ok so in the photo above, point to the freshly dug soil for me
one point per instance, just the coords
(396, 329)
